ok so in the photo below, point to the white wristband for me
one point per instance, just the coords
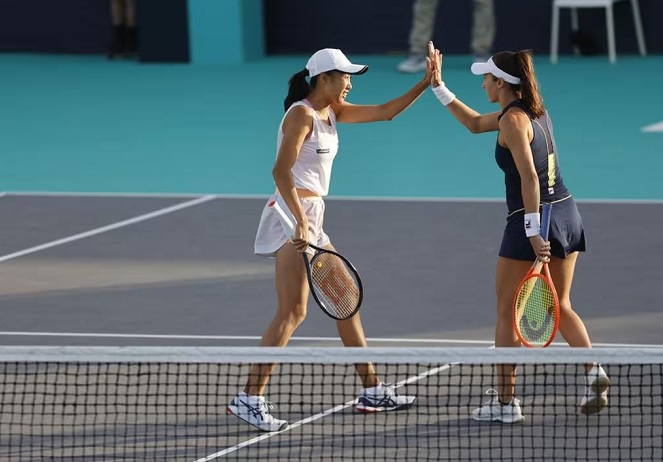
(532, 224)
(444, 94)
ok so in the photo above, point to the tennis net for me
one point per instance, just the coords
(169, 403)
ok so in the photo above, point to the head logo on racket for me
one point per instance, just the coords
(535, 305)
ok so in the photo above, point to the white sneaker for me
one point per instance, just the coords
(493, 410)
(414, 63)
(596, 391)
(382, 398)
(255, 411)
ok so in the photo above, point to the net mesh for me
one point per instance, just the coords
(138, 403)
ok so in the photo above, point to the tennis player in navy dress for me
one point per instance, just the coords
(527, 153)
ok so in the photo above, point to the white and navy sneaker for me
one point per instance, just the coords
(254, 410)
(382, 398)
(597, 385)
(414, 63)
(492, 410)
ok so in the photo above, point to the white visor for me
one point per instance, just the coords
(489, 67)
(332, 59)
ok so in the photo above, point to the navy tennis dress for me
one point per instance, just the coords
(566, 230)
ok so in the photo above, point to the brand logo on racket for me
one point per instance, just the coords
(531, 330)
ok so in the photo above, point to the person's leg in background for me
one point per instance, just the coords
(124, 36)
(483, 29)
(117, 19)
(421, 32)
(131, 37)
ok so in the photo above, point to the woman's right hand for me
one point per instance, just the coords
(300, 237)
(435, 59)
(541, 248)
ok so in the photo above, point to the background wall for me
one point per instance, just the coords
(63, 26)
(293, 26)
(382, 27)
(226, 31)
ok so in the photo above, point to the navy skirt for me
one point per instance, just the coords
(567, 234)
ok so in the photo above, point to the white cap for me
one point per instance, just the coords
(332, 59)
(489, 67)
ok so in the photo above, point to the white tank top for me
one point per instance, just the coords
(312, 169)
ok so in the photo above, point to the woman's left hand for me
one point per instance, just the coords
(430, 70)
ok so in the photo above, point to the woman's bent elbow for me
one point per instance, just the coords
(278, 175)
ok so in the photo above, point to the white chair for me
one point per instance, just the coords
(607, 4)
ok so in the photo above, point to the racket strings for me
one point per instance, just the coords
(335, 285)
(536, 311)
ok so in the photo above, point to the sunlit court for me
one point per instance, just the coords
(140, 148)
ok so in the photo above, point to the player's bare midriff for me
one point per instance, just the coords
(301, 193)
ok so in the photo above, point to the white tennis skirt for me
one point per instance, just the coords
(272, 234)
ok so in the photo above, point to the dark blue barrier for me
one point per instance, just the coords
(163, 31)
(64, 26)
(301, 26)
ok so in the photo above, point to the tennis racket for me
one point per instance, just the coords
(536, 306)
(334, 281)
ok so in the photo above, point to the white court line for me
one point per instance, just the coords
(139, 195)
(104, 229)
(228, 337)
(658, 127)
(301, 339)
(318, 416)
(480, 200)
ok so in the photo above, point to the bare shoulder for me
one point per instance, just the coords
(300, 112)
(298, 116)
(514, 119)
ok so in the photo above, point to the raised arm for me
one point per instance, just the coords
(359, 113)
(471, 119)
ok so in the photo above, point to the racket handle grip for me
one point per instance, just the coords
(283, 217)
(286, 221)
(546, 210)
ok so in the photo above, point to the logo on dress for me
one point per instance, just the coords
(323, 150)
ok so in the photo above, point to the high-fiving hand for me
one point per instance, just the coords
(435, 63)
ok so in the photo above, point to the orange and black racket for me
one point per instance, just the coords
(536, 306)
(334, 282)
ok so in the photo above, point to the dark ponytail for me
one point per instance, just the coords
(298, 88)
(529, 86)
(521, 64)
